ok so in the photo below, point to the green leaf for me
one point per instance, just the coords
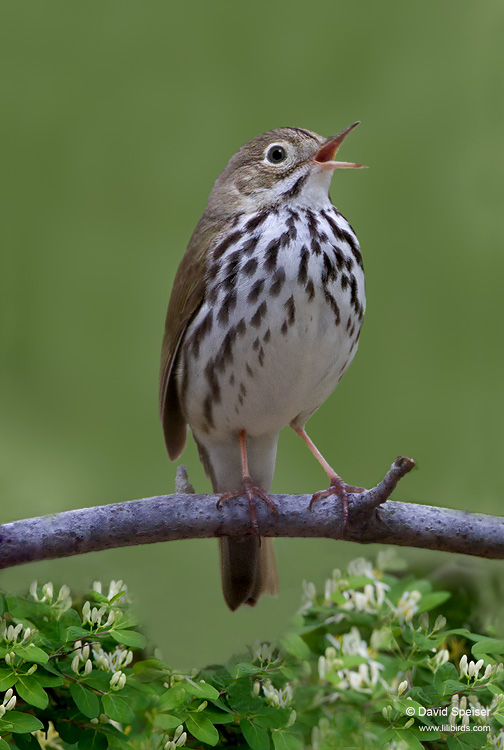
(4, 745)
(273, 718)
(99, 680)
(86, 701)
(48, 680)
(406, 739)
(117, 709)
(257, 737)
(92, 739)
(295, 646)
(488, 646)
(129, 638)
(26, 742)
(33, 654)
(166, 721)
(219, 717)
(201, 690)
(174, 698)
(68, 731)
(433, 600)
(21, 722)
(7, 679)
(74, 632)
(202, 728)
(283, 740)
(31, 692)
(456, 743)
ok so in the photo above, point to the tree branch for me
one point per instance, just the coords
(184, 515)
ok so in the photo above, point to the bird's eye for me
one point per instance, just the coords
(276, 154)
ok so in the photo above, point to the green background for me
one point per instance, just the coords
(116, 118)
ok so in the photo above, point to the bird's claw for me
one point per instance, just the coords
(252, 492)
(341, 490)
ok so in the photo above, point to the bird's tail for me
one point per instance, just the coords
(248, 567)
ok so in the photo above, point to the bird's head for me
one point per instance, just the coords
(282, 165)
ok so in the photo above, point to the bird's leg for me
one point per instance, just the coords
(248, 488)
(337, 487)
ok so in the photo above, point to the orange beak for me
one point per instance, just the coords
(326, 153)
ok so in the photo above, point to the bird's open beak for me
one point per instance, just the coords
(326, 153)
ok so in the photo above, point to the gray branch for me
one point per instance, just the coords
(371, 518)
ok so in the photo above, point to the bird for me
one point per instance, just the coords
(263, 321)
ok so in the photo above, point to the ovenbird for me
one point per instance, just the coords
(263, 321)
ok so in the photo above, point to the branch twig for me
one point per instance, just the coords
(372, 518)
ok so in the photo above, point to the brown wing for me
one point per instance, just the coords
(186, 297)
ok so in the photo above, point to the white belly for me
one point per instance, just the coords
(272, 339)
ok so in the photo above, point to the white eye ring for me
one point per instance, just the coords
(275, 154)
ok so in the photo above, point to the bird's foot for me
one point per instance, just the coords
(341, 490)
(252, 492)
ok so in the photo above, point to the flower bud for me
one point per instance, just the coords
(256, 689)
(48, 591)
(75, 663)
(423, 620)
(115, 678)
(292, 719)
(402, 687)
(463, 665)
(10, 704)
(86, 612)
(27, 635)
(440, 623)
(386, 711)
(202, 706)
(181, 740)
(88, 668)
(477, 667)
(32, 669)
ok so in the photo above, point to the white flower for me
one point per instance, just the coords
(277, 698)
(308, 596)
(407, 606)
(263, 652)
(352, 643)
(440, 658)
(112, 661)
(48, 591)
(361, 567)
(50, 739)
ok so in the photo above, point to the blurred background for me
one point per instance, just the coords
(116, 119)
